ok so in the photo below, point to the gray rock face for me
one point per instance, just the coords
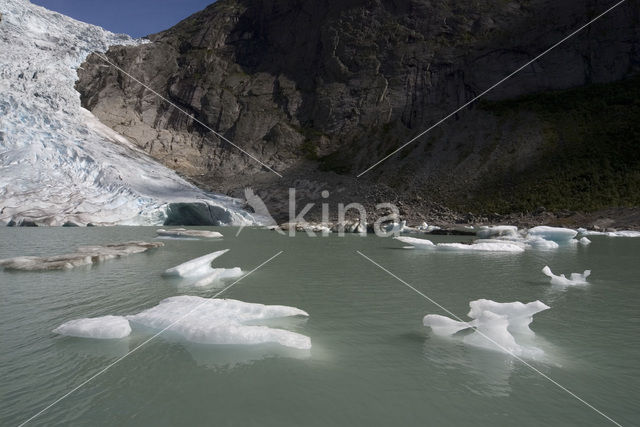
(318, 85)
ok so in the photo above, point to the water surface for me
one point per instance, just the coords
(372, 361)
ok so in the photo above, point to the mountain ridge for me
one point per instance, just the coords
(321, 91)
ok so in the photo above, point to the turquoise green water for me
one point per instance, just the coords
(372, 362)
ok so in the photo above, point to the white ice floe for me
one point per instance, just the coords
(496, 325)
(200, 269)
(58, 163)
(197, 320)
(105, 327)
(556, 234)
(621, 233)
(584, 241)
(481, 246)
(415, 242)
(574, 279)
(220, 321)
(183, 232)
(84, 255)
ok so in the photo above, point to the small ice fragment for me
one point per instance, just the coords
(421, 243)
(105, 327)
(182, 232)
(574, 279)
(201, 267)
(585, 241)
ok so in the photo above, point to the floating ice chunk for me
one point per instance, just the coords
(444, 326)
(481, 247)
(420, 243)
(492, 333)
(574, 279)
(486, 232)
(624, 233)
(494, 324)
(585, 241)
(488, 245)
(200, 268)
(519, 243)
(556, 234)
(105, 327)
(518, 314)
(182, 232)
(220, 321)
(84, 255)
(540, 243)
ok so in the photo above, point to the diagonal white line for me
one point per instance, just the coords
(494, 342)
(492, 87)
(106, 368)
(105, 59)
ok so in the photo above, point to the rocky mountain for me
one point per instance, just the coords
(321, 90)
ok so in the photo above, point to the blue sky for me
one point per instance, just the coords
(134, 17)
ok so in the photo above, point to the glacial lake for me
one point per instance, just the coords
(372, 362)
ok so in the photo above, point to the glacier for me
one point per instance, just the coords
(196, 320)
(60, 165)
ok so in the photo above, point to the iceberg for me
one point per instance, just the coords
(574, 278)
(220, 321)
(496, 325)
(480, 246)
(621, 233)
(415, 242)
(518, 314)
(584, 241)
(183, 232)
(105, 327)
(197, 320)
(58, 163)
(556, 234)
(84, 255)
(200, 269)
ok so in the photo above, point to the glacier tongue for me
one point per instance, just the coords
(58, 163)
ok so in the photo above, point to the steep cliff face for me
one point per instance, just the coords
(317, 88)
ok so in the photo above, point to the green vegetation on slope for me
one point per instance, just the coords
(591, 156)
